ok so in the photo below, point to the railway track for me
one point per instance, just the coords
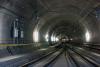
(70, 57)
(45, 60)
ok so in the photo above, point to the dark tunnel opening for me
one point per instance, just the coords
(36, 33)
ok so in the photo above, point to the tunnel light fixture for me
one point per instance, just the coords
(35, 36)
(71, 39)
(57, 39)
(46, 37)
(88, 36)
(52, 38)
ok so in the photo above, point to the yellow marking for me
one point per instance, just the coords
(13, 44)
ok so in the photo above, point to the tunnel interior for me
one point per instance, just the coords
(33, 28)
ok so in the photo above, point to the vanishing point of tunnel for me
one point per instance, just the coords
(49, 33)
